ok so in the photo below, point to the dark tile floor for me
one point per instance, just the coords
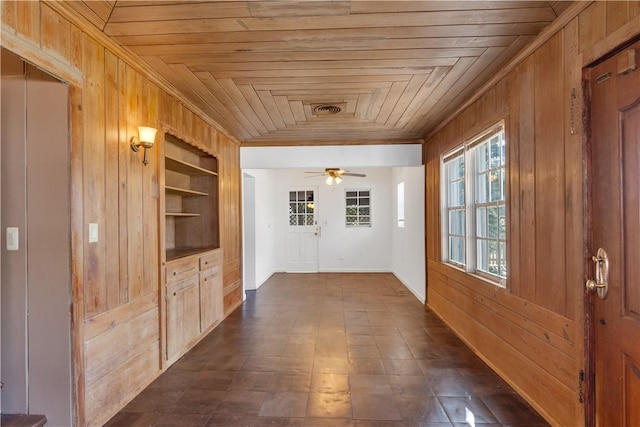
(329, 350)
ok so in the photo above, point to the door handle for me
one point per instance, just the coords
(601, 282)
(317, 232)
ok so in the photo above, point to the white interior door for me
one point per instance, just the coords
(302, 232)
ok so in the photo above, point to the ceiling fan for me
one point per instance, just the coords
(335, 175)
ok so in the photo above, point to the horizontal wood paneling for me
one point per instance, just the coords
(131, 337)
(112, 391)
(116, 316)
(559, 400)
(532, 332)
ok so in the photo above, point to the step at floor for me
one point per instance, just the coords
(19, 420)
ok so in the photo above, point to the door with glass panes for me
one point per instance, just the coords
(302, 231)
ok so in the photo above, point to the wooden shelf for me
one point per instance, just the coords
(190, 198)
(183, 191)
(182, 214)
(181, 166)
(173, 254)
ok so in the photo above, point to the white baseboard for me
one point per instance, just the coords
(420, 298)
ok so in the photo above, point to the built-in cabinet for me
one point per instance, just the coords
(193, 259)
(211, 298)
(193, 300)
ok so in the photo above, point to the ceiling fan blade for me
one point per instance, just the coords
(361, 175)
(316, 172)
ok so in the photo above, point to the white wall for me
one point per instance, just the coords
(331, 156)
(383, 247)
(264, 229)
(340, 248)
(408, 255)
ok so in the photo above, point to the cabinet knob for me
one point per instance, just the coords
(175, 293)
(175, 272)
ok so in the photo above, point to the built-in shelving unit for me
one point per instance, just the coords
(183, 191)
(191, 199)
(180, 166)
(181, 214)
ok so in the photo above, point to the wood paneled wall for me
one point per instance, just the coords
(116, 318)
(532, 333)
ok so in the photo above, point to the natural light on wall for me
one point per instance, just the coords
(401, 204)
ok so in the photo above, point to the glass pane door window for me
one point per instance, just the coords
(301, 208)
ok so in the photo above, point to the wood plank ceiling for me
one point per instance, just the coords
(260, 69)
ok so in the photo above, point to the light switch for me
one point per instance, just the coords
(93, 232)
(13, 239)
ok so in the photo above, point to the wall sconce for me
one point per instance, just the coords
(146, 138)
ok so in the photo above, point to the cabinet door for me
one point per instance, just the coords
(210, 297)
(183, 316)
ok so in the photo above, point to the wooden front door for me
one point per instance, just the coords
(615, 227)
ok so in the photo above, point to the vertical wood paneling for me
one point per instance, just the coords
(574, 153)
(525, 169)
(77, 44)
(112, 182)
(124, 153)
(56, 33)
(116, 280)
(135, 224)
(28, 15)
(592, 24)
(151, 195)
(93, 175)
(616, 14)
(432, 211)
(92, 163)
(9, 13)
(513, 188)
(549, 227)
(546, 239)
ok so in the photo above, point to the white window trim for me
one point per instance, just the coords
(470, 207)
(344, 211)
(401, 205)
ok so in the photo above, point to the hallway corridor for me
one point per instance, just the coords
(329, 349)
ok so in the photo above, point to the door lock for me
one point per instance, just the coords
(601, 282)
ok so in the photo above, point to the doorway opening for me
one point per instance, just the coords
(35, 286)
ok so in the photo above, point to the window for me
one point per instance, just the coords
(358, 208)
(301, 208)
(401, 204)
(474, 205)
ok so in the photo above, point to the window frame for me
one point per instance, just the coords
(400, 198)
(471, 205)
(358, 206)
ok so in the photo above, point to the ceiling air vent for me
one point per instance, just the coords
(326, 109)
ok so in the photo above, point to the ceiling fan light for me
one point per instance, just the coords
(338, 180)
(329, 180)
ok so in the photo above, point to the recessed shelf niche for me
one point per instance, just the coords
(191, 199)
